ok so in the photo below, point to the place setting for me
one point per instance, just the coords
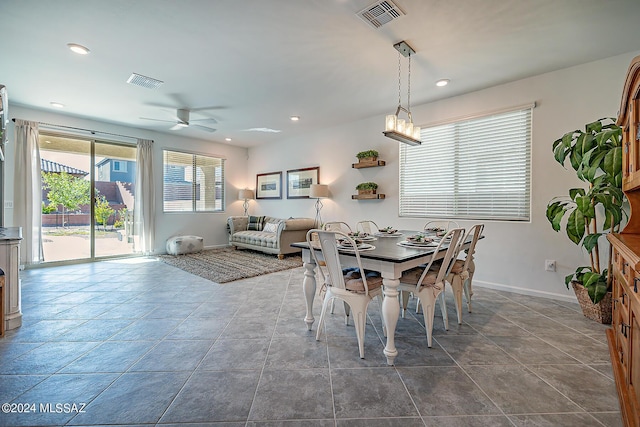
(388, 232)
(361, 236)
(418, 241)
(346, 245)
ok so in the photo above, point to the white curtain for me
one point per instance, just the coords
(145, 201)
(27, 192)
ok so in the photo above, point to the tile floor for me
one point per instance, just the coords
(138, 342)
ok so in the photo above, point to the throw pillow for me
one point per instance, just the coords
(255, 223)
(270, 227)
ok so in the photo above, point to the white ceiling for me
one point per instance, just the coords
(254, 63)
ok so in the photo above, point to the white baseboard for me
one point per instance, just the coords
(525, 291)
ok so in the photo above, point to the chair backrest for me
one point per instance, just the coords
(337, 226)
(367, 226)
(447, 225)
(454, 239)
(474, 232)
(328, 242)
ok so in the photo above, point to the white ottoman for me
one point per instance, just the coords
(179, 245)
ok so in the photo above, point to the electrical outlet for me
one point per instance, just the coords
(8, 204)
(550, 264)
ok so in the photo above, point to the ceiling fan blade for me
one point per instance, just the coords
(208, 129)
(157, 120)
(208, 119)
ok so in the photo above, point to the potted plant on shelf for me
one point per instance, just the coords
(367, 188)
(596, 156)
(367, 156)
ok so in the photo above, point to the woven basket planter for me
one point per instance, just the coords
(361, 192)
(600, 312)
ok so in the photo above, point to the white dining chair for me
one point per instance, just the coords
(461, 275)
(337, 226)
(427, 283)
(367, 226)
(355, 289)
(428, 227)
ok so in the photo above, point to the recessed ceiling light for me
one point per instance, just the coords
(228, 139)
(57, 104)
(442, 82)
(295, 118)
(78, 48)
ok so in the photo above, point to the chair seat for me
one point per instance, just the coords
(353, 282)
(458, 266)
(413, 276)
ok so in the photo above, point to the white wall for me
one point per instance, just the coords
(211, 226)
(512, 255)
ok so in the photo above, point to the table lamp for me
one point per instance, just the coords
(246, 195)
(318, 191)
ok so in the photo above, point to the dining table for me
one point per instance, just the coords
(388, 254)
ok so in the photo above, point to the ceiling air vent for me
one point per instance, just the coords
(144, 81)
(380, 13)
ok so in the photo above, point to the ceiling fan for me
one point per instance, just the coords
(182, 121)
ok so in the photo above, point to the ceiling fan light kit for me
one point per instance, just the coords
(396, 128)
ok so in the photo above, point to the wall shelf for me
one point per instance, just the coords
(367, 196)
(368, 164)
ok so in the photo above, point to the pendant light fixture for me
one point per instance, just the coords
(395, 127)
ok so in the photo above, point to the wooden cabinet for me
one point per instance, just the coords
(624, 335)
(629, 119)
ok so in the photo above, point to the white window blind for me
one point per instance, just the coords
(192, 182)
(477, 168)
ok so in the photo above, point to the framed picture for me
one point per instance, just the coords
(299, 182)
(269, 185)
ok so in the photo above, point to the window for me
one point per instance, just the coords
(477, 168)
(192, 182)
(119, 166)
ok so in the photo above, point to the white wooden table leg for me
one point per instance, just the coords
(390, 313)
(309, 288)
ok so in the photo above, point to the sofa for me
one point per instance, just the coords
(268, 234)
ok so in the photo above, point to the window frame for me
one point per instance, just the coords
(195, 202)
(466, 193)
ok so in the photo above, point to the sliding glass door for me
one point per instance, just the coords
(87, 198)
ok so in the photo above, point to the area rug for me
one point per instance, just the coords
(226, 264)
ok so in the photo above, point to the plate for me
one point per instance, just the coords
(366, 239)
(418, 244)
(362, 247)
(396, 234)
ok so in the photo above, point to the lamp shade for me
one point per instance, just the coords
(318, 191)
(245, 194)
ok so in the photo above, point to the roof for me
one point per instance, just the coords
(53, 167)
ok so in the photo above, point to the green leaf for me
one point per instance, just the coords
(576, 192)
(590, 241)
(594, 126)
(584, 205)
(576, 226)
(613, 166)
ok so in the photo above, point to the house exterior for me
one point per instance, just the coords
(114, 170)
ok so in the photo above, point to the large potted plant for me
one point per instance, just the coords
(596, 156)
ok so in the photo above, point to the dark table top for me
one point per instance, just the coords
(387, 248)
